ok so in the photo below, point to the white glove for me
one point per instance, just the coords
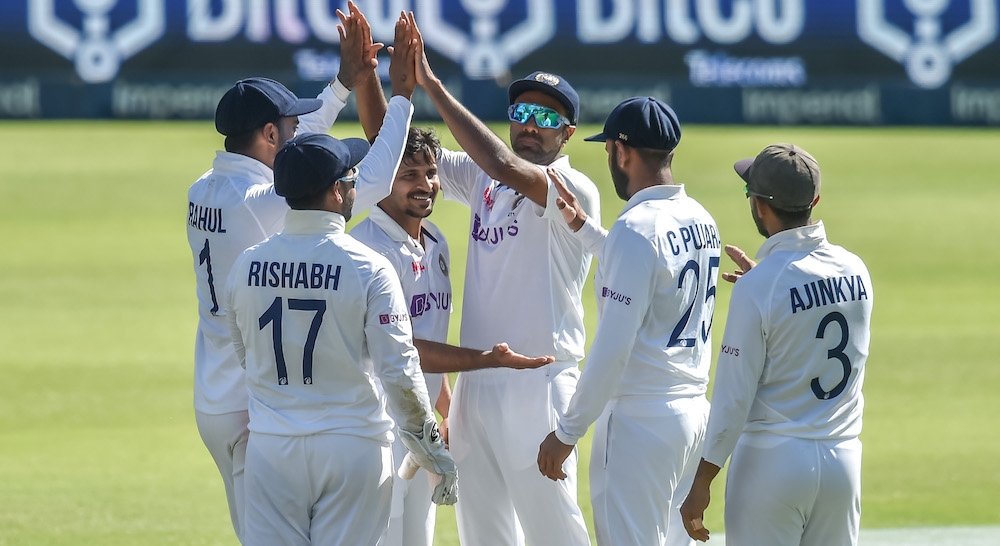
(429, 452)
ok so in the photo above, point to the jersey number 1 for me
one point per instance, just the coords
(273, 316)
(205, 258)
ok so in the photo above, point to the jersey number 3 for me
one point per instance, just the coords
(837, 353)
(273, 317)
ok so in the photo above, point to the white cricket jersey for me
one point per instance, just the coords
(793, 355)
(655, 282)
(232, 207)
(526, 268)
(423, 272)
(307, 308)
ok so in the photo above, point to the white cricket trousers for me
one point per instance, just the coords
(225, 436)
(645, 454)
(412, 516)
(323, 489)
(498, 419)
(783, 491)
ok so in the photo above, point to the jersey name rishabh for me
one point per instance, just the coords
(293, 275)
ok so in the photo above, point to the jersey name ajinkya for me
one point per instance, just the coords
(205, 218)
(293, 275)
(827, 291)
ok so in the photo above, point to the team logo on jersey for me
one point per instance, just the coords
(443, 264)
(929, 56)
(486, 52)
(97, 51)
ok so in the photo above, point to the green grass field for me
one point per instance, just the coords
(97, 437)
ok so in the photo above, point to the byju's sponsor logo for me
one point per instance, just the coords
(928, 55)
(96, 49)
(615, 296)
(421, 303)
(385, 318)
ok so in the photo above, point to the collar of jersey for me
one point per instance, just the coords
(394, 230)
(307, 222)
(242, 167)
(660, 191)
(800, 238)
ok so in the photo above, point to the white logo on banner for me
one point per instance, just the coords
(928, 56)
(97, 52)
(487, 52)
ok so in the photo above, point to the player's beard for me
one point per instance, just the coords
(618, 176)
(418, 212)
(756, 220)
(347, 205)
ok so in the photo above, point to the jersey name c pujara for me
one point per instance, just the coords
(205, 218)
(293, 275)
(826, 291)
(696, 236)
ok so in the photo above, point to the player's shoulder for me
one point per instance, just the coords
(573, 177)
(364, 257)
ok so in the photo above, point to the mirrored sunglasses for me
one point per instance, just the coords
(544, 117)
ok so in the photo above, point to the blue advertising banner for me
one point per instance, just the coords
(716, 61)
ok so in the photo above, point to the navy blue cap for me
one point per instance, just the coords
(642, 122)
(550, 84)
(311, 162)
(253, 102)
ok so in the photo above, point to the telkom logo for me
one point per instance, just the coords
(928, 56)
(96, 50)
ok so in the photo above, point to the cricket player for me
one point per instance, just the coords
(233, 206)
(787, 402)
(305, 307)
(399, 230)
(525, 273)
(647, 371)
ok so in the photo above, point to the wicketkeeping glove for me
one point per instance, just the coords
(429, 451)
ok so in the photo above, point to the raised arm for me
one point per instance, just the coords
(483, 146)
(357, 63)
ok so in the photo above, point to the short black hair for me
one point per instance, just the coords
(420, 140)
(655, 159)
(241, 142)
(792, 218)
(312, 201)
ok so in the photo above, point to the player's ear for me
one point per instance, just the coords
(337, 192)
(270, 134)
(569, 133)
(623, 154)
